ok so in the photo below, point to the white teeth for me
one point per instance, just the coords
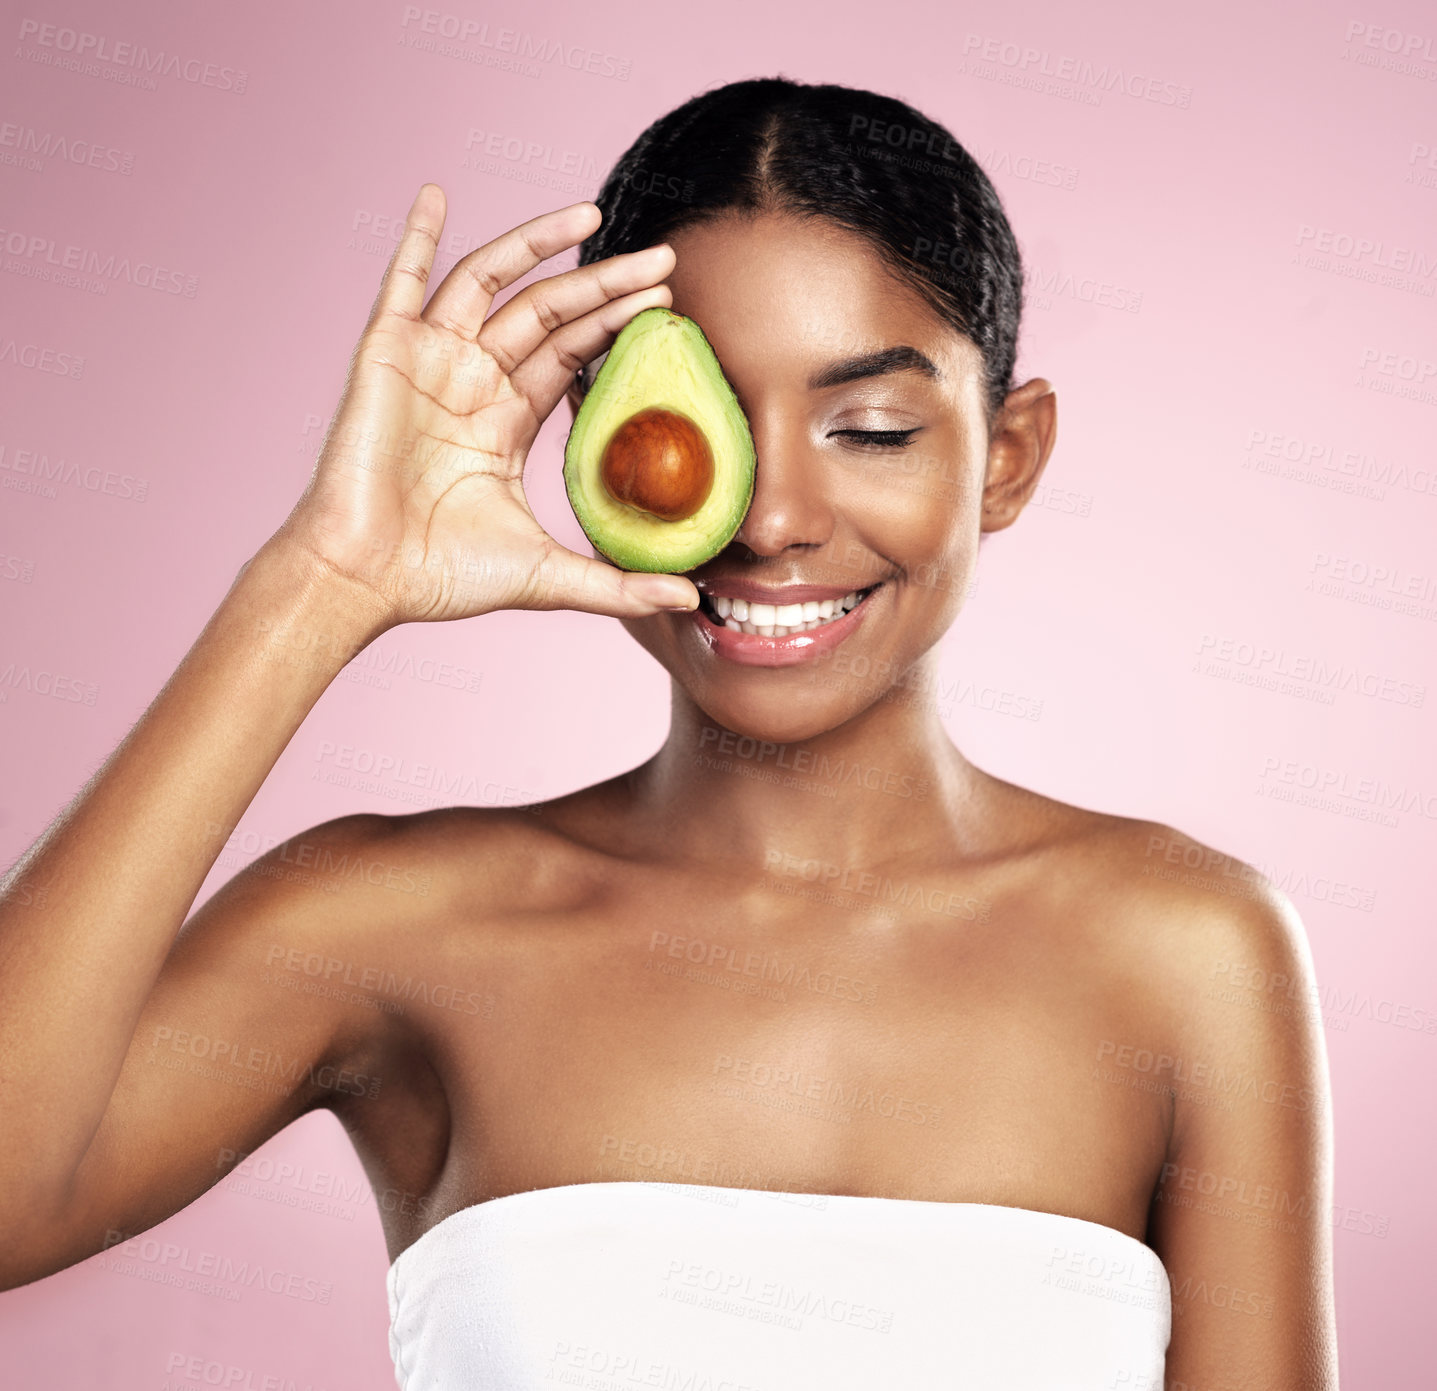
(782, 620)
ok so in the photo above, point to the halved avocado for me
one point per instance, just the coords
(659, 465)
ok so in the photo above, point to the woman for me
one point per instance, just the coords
(804, 1025)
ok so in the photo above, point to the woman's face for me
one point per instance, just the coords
(868, 473)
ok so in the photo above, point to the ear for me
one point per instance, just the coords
(1019, 444)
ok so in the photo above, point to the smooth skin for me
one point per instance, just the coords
(1049, 1007)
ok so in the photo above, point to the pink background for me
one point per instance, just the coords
(1244, 461)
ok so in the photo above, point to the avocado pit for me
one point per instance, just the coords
(659, 462)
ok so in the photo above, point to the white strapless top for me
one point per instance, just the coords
(627, 1285)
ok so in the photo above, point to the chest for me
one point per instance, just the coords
(920, 1050)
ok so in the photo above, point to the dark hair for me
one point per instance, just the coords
(870, 163)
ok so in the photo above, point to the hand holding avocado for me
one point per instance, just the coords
(417, 497)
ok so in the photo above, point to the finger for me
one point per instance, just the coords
(564, 579)
(401, 291)
(462, 301)
(516, 330)
(544, 376)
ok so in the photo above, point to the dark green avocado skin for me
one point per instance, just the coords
(660, 360)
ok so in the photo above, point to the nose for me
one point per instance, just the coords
(791, 507)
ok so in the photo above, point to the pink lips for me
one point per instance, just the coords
(750, 649)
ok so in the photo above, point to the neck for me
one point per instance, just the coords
(885, 786)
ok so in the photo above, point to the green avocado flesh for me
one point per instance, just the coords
(660, 363)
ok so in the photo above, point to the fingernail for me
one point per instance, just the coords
(663, 596)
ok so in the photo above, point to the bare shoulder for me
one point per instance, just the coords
(1197, 942)
(430, 860)
(1213, 918)
(474, 862)
(1223, 964)
(337, 912)
(1183, 906)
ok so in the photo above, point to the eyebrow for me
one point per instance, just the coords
(852, 369)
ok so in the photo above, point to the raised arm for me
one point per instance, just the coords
(90, 913)
(415, 511)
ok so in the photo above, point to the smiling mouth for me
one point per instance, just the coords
(763, 620)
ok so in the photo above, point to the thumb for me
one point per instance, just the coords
(567, 580)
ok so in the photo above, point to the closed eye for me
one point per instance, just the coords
(878, 439)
